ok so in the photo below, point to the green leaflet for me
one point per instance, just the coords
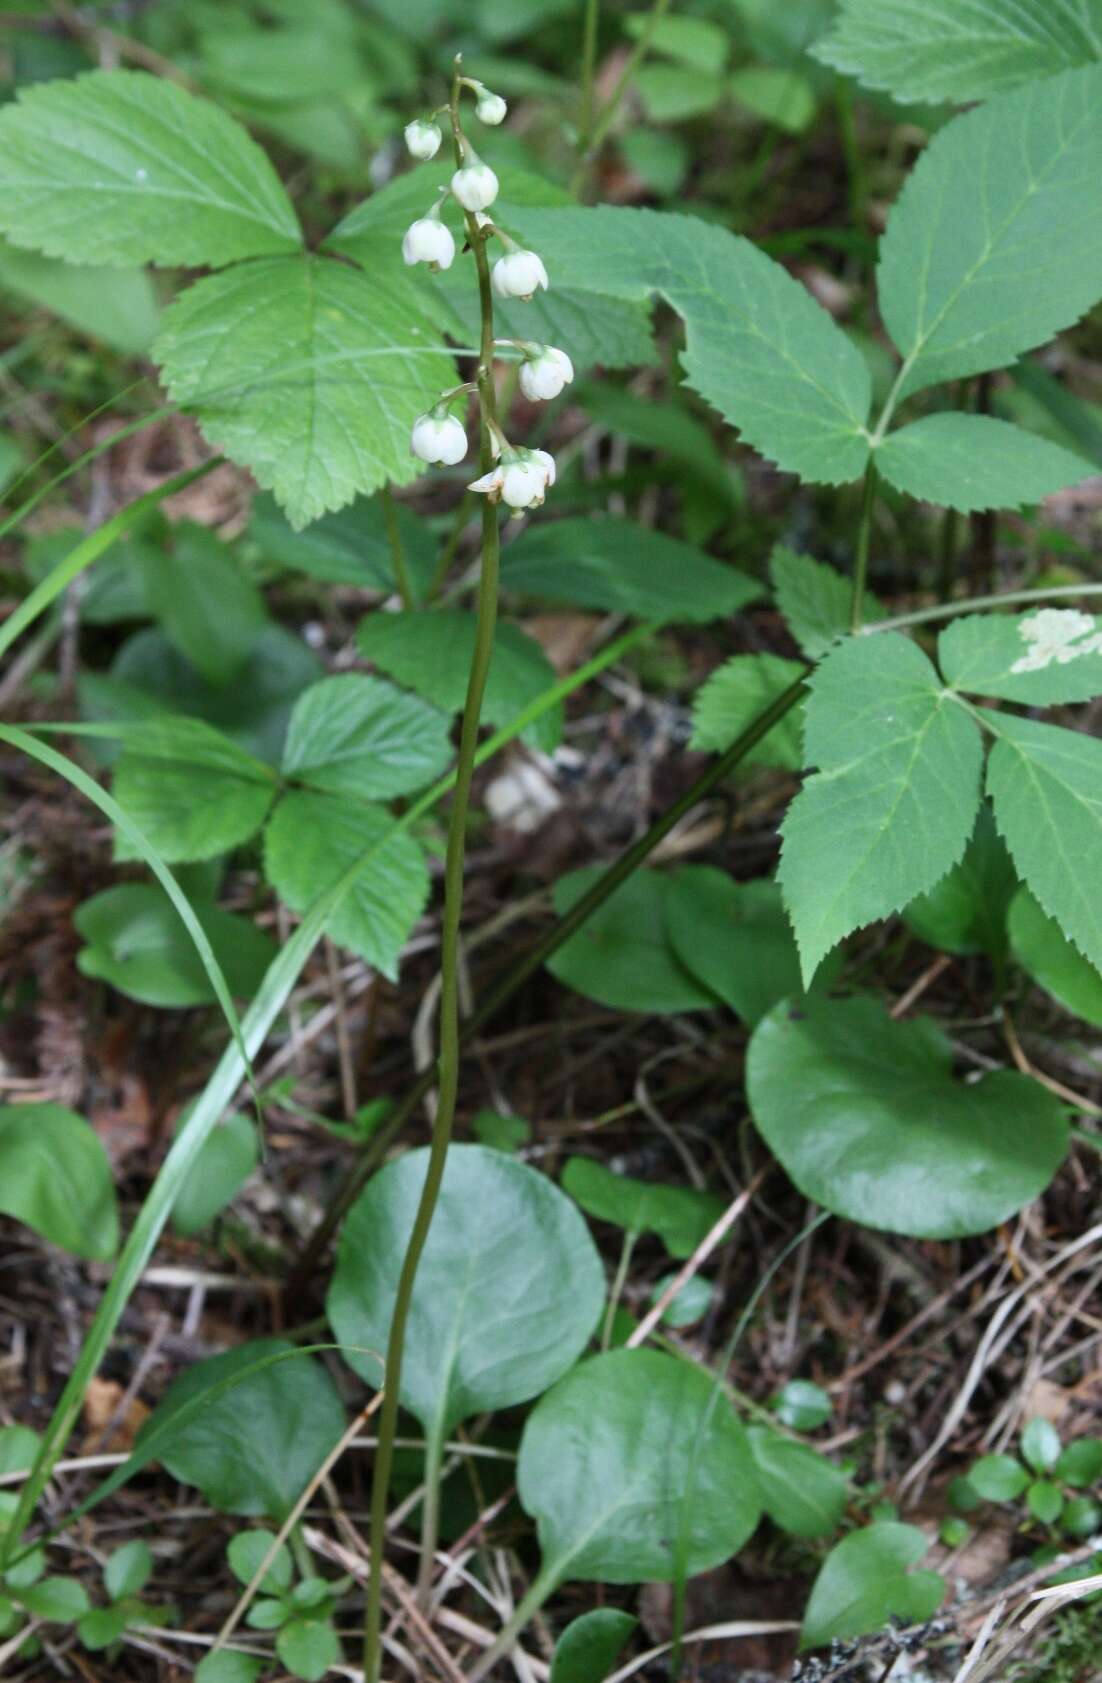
(355, 735)
(307, 372)
(971, 462)
(995, 242)
(815, 600)
(191, 790)
(680, 1215)
(1046, 656)
(733, 697)
(894, 801)
(207, 604)
(959, 50)
(118, 166)
(1041, 948)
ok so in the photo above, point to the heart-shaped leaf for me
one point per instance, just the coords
(865, 1580)
(867, 1119)
(138, 943)
(54, 1175)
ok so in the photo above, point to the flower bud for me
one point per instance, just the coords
(428, 241)
(518, 274)
(475, 185)
(544, 375)
(520, 479)
(423, 138)
(490, 108)
(438, 438)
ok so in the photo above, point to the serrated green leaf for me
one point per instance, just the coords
(190, 789)
(815, 600)
(54, 1175)
(1046, 656)
(971, 462)
(118, 306)
(680, 1215)
(966, 911)
(118, 166)
(306, 372)
(757, 345)
(801, 1490)
(1046, 787)
(354, 735)
(208, 606)
(1041, 948)
(894, 801)
(309, 844)
(961, 52)
(735, 695)
(995, 243)
(431, 654)
(616, 566)
(865, 1579)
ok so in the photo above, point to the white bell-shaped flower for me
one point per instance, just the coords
(519, 274)
(544, 375)
(423, 138)
(490, 108)
(438, 438)
(428, 240)
(520, 479)
(475, 185)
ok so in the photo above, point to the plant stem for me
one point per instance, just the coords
(1005, 599)
(861, 557)
(612, 105)
(430, 1513)
(449, 953)
(525, 1608)
(589, 69)
(397, 552)
(618, 1287)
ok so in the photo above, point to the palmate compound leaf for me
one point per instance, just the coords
(635, 1469)
(309, 844)
(55, 1177)
(893, 803)
(118, 166)
(972, 462)
(509, 1289)
(1046, 787)
(758, 347)
(1047, 656)
(865, 1116)
(356, 735)
(866, 1579)
(995, 243)
(306, 371)
(192, 791)
(960, 50)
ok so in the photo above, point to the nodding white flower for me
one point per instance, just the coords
(428, 240)
(423, 138)
(520, 479)
(438, 438)
(475, 185)
(490, 108)
(544, 375)
(518, 274)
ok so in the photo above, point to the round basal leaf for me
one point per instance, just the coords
(1044, 1501)
(1042, 949)
(623, 956)
(735, 937)
(1082, 1517)
(248, 1549)
(308, 1647)
(587, 1649)
(1040, 1444)
(259, 1443)
(800, 1490)
(137, 942)
(128, 1570)
(59, 1601)
(101, 1626)
(355, 735)
(229, 1666)
(680, 1215)
(226, 1159)
(998, 1478)
(1081, 1463)
(635, 1469)
(508, 1291)
(802, 1405)
(55, 1177)
(866, 1117)
(18, 1448)
(865, 1580)
(687, 1306)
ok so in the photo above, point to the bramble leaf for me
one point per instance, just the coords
(354, 735)
(736, 694)
(190, 789)
(815, 600)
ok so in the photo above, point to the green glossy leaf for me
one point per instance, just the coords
(587, 1649)
(229, 1665)
(802, 1405)
(851, 1101)
(1049, 655)
(688, 1305)
(58, 1601)
(782, 97)
(972, 462)
(256, 1446)
(191, 790)
(736, 694)
(1081, 1517)
(18, 1448)
(128, 1570)
(680, 1215)
(815, 600)
(225, 1161)
(55, 1177)
(267, 1614)
(1044, 1501)
(736, 938)
(118, 306)
(758, 346)
(209, 608)
(894, 801)
(508, 1291)
(431, 654)
(137, 942)
(309, 844)
(615, 566)
(1046, 786)
(306, 373)
(354, 735)
(1080, 1463)
(308, 1648)
(351, 546)
(966, 911)
(997, 188)
(866, 1580)
(998, 1478)
(801, 1490)
(623, 956)
(961, 52)
(248, 1549)
(123, 167)
(1041, 947)
(635, 1469)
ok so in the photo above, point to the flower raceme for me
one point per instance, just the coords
(520, 479)
(428, 240)
(438, 437)
(519, 274)
(544, 372)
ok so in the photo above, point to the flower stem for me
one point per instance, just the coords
(604, 120)
(589, 70)
(861, 558)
